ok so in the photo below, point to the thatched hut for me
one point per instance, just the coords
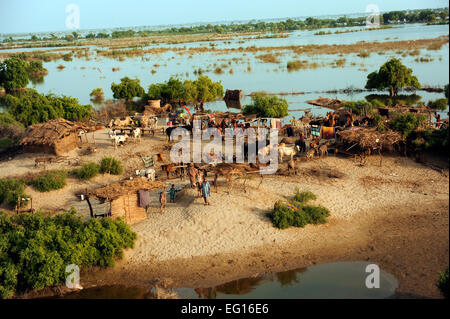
(128, 199)
(56, 136)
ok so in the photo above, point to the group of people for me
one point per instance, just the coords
(197, 179)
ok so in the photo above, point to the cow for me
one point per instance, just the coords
(288, 151)
(118, 139)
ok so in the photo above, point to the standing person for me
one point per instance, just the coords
(192, 173)
(199, 182)
(206, 191)
(162, 200)
(173, 193)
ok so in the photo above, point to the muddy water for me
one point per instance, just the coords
(343, 280)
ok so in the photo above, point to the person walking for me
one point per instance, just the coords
(206, 190)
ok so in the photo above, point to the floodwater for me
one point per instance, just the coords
(81, 76)
(339, 280)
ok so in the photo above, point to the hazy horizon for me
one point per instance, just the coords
(43, 16)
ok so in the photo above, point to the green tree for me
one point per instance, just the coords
(127, 89)
(267, 106)
(392, 75)
(168, 91)
(201, 91)
(13, 74)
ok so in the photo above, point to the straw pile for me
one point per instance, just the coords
(370, 138)
(116, 190)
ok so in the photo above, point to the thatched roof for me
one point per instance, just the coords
(50, 132)
(114, 191)
(370, 137)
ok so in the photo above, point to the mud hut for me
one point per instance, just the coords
(128, 199)
(56, 136)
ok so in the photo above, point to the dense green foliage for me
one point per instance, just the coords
(401, 99)
(297, 213)
(13, 74)
(167, 91)
(36, 249)
(49, 181)
(87, 171)
(304, 197)
(111, 165)
(197, 92)
(406, 123)
(360, 107)
(431, 139)
(10, 190)
(443, 283)
(439, 104)
(6, 142)
(127, 89)
(425, 15)
(31, 107)
(392, 75)
(9, 127)
(267, 106)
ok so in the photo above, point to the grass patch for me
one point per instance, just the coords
(50, 181)
(304, 197)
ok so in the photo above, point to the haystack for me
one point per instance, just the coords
(56, 136)
(370, 138)
(124, 198)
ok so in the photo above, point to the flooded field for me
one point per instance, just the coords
(248, 63)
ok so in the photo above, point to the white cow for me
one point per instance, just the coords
(288, 151)
(137, 134)
(118, 139)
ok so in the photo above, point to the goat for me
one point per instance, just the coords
(323, 149)
(291, 166)
(310, 154)
(137, 134)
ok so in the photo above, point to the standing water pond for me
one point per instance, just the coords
(339, 280)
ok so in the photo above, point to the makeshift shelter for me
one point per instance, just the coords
(128, 199)
(232, 99)
(56, 136)
(370, 138)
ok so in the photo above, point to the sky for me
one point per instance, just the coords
(24, 16)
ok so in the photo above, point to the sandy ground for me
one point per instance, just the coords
(395, 215)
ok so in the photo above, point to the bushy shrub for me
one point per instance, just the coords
(50, 181)
(431, 139)
(406, 123)
(111, 165)
(6, 142)
(267, 106)
(439, 104)
(87, 171)
(36, 249)
(9, 127)
(443, 283)
(303, 197)
(10, 190)
(296, 213)
(359, 107)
